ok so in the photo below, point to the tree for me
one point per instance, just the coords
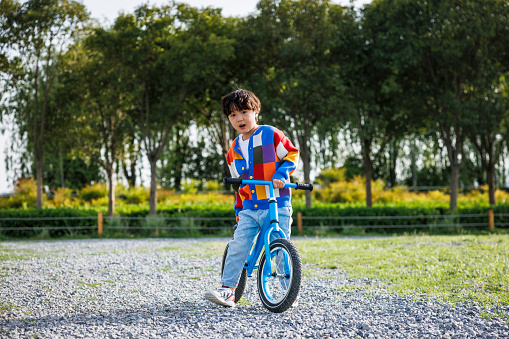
(489, 131)
(374, 115)
(102, 104)
(40, 31)
(166, 54)
(438, 49)
(300, 45)
(64, 166)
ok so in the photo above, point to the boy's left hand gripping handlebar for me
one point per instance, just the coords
(232, 181)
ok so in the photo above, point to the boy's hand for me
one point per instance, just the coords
(278, 183)
(237, 218)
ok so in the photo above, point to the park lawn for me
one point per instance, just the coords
(448, 268)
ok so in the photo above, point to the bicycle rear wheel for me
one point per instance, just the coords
(280, 287)
(241, 286)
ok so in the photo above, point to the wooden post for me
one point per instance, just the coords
(100, 224)
(491, 217)
(299, 223)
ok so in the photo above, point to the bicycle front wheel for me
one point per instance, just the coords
(279, 285)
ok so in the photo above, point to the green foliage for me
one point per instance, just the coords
(62, 197)
(77, 171)
(207, 219)
(378, 77)
(329, 176)
(51, 217)
(24, 195)
(134, 195)
(93, 192)
(448, 59)
(37, 34)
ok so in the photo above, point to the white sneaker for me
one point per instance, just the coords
(223, 296)
(296, 302)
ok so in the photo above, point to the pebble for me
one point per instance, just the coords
(130, 288)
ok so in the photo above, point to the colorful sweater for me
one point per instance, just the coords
(271, 156)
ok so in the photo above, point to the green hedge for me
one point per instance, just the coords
(375, 218)
(198, 221)
(201, 220)
(27, 227)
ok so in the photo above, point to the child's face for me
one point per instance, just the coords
(243, 121)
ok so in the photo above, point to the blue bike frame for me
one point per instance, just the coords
(270, 225)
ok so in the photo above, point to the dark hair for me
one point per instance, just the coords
(240, 100)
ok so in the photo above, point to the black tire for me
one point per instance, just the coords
(241, 286)
(288, 285)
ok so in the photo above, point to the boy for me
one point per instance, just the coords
(259, 153)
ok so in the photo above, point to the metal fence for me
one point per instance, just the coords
(102, 223)
(439, 221)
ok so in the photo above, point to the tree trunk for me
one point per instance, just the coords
(38, 153)
(368, 165)
(153, 188)
(111, 191)
(502, 174)
(393, 157)
(369, 196)
(490, 173)
(38, 176)
(177, 165)
(454, 151)
(305, 157)
(455, 174)
(130, 172)
(61, 164)
(307, 177)
(414, 165)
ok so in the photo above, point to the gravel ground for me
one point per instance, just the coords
(154, 288)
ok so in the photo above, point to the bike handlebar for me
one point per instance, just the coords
(232, 181)
(238, 181)
(305, 187)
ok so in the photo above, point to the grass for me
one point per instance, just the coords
(18, 254)
(6, 306)
(451, 269)
(91, 285)
(448, 268)
(199, 250)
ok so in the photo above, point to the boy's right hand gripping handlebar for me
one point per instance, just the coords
(297, 186)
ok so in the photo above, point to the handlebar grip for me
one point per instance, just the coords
(306, 187)
(232, 181)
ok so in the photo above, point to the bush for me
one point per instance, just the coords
(94, 192)
(136, 195)
(16, 218)
(24, 196)
(62, 197)
(434, 220)
(318, 220)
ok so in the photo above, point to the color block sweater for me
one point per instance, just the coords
(271, 156)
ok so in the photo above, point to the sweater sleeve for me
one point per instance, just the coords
(288, 155)
(230, 158)
(238, 203)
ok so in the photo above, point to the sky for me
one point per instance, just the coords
(107, 11)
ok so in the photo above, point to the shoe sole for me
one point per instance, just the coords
(213, 298)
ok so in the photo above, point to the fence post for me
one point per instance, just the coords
(491, 217)
(299, 222)
(100, 224)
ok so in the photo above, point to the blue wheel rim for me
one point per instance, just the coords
(276, 284)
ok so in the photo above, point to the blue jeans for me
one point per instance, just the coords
(249, 226)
